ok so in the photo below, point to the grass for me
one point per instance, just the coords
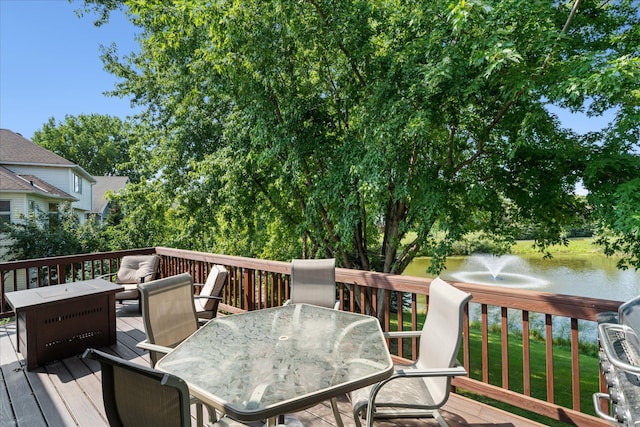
(562, 372)
(561, 363)
(577, 246)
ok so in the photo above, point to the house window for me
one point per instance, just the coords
(77, 183)
(53, 207)
(5, 210)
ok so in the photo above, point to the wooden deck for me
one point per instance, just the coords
(68, 392)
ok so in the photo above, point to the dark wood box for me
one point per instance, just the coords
(59, 321)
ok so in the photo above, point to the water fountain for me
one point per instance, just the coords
(506, 270)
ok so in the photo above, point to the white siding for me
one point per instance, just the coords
(42, 205)
(84, 198)
(60, 177)
(19, 204)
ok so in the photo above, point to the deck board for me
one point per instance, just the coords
(68, 392)
(19, 391)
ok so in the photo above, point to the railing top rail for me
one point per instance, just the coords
(528, 300)
(67, 259)
(522, 299)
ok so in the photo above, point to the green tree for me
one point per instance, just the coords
(373, 131)
(42, 235)
(101, 144)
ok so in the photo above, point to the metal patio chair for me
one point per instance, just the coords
(168, 313)
(420, 389)
(169, 317)
(136, 395)
(313, 281)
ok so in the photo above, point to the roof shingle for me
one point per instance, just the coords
(29, 184)
(14, 148)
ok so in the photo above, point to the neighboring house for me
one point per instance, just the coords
(33, 177)
(104, 184)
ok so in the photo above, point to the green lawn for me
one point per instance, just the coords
(582, 245)
(562, 372)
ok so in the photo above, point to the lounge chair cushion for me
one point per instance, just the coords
(137, 268)
(212, 287)
(130, 292)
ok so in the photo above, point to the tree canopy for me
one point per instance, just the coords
(374, 131)
(100, 144)
(47, 234)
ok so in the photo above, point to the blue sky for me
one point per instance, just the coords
(50, 66)
(50, 63)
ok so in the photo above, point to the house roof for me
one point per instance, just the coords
(16, 149)
(13, 182)
(100, 188)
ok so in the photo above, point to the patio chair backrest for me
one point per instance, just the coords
(313, 281)
(213, 287)
(168, 310)
(136, 395)
(138, 268)
(441, 334)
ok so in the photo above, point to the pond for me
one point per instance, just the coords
(589, 275)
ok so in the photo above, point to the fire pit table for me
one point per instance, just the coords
(55, 322)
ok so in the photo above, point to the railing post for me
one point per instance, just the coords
(62, 274)
(249, 288)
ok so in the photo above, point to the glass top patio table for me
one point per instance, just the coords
(264, 363)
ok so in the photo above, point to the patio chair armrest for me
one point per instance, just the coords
(153, 347)
(142, 278)
(455, 371)
(411, 373)
(106, 276)
(402, 334)
(208, 297)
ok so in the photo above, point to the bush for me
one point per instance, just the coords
(480, 243)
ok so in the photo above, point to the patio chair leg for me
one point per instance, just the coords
(336, 412)
(213, 415)
(440, 420)
(199, 422)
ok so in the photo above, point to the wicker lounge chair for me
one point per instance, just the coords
(207, 301)
(134, 269)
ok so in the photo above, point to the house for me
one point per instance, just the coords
(32, 177)
(104, 184)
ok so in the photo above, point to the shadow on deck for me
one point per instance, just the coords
(68, 392)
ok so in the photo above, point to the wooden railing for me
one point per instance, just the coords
(256, 284)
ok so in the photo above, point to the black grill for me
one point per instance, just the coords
(620, 364)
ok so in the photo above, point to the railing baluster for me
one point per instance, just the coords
(504, 338)
(549, 344)
(526, 355)
(485, 344)
(575, 364)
